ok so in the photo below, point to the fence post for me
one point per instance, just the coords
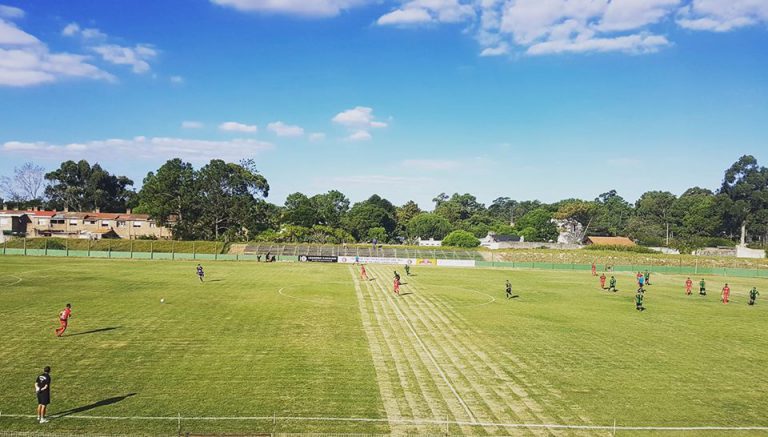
(89, 248)
(25, 246)
(151, 250)
(5, 245)
(173, 249)
(66, 242)
(109, 248)
(216, 252)
(131, 249)
(45, 252)
(194, 251)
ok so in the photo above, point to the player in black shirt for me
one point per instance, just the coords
(43, 390)
(200, 272)
(508, 286)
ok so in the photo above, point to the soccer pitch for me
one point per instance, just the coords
(280, 348)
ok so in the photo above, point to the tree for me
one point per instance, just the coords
(461, 238)
(653, 211)
(503, 209)
(80, 187)
(299, 210)
(537, 225)
(171, 191)
(371, 213)
(428, 225)
(611, 215)
(746, 185)
(330, 207)
(26, 185)
(580, 210)
(459, 207)
(228, 193)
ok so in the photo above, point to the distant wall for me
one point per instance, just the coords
(666, 250)
(715, 251)
(745, 252)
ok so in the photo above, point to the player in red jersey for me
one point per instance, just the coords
(397, 284)
(594, 269)
(688, 285)
(725, 293)
(363, 273)
(602, 281)
(64, 316)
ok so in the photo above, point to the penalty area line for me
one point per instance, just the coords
(406, 421)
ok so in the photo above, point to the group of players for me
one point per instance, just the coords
(644, 278)
(395, 278)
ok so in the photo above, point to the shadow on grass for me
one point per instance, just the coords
(101, 403)
(94, 331)
(215, 280)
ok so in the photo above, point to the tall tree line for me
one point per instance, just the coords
(227, 201)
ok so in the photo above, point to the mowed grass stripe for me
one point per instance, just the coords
(514, 392)
(499, 399)
(381, 358)
(482, 398)
(418, 388)
(472, 372)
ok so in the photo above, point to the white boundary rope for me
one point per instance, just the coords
(405, 421)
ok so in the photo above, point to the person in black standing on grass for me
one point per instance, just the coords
(43, 391)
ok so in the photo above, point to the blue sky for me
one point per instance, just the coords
(529, 99)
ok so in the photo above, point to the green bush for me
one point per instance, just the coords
(461, 239)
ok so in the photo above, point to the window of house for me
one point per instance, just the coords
(57, 221)
(121, 223)
(136, 224)
(152, 224)
(72, 221)
(105, 223)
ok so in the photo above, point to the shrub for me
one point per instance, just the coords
(461, 239)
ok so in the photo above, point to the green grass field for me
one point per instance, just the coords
(300, 341)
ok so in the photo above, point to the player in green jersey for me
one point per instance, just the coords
(753, 295)
(612, 284)
(639, 300)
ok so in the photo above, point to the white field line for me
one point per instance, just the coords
(428, 352)
(407, 421)
(18, 279)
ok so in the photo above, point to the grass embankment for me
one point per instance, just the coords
(157, 246)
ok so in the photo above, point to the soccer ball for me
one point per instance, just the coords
(162, 300)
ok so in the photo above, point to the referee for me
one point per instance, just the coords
(43, 390)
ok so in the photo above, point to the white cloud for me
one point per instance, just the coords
(11, 12)
(71, 29)
(360, 135)
(233, 126)
(358, 117)
(74, 29)
(538, 27)
(176, 80)
(722, 15)
(285, 130)
(316, 136)
(405, 16)
(307, 8)
(501, 49)
(10, 35)
(629, 44)
(187, 124)
(427, 11)
(137, 57)
(430, 164)
(140, 147)
(358, 121)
